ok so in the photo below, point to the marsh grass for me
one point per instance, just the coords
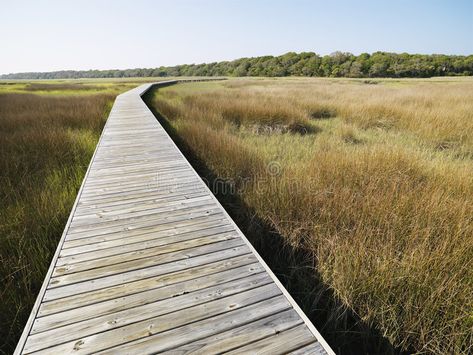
(82, 87)
(58, 86)
(381, 198)
(46, 145)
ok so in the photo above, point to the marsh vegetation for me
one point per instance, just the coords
(372, 180)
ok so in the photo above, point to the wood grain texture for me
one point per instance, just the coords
(149, 261)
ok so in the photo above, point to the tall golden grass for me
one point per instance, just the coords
(377, 185)
(46, 144)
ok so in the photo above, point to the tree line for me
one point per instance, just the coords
(337, 64)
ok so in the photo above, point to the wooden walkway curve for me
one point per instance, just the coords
(150, 262)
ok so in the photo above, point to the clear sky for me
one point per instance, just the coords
(52, 35)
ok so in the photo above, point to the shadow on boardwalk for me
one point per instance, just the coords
(342, 328)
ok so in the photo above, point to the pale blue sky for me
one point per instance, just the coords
(55, 35)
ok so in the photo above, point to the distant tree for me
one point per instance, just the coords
(337, 64)
(356, 70)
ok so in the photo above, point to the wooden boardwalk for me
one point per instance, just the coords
(150, 262)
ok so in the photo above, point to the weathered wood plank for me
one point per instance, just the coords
(146, 227)
(140, 285)
(166, 341)
(152, 186)
(123, 179)
(147, 296)
(239, 336)
(184, 259)
(144, 241)
(149, 233)
(87, 207)
(138, 204)
(154, 220)
(131, 270)
(141, 210)
(154, 180)
(111, 330)
(280, 343)
(97, 268)
(314, 348)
